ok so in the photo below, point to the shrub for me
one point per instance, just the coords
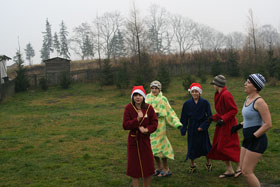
(203, 78)
(43, 83)
(122, 78)
(273, 81)
(107, 76)
(216, 68)
(187, 81)
(65, 80)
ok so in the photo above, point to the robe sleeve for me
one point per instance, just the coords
(171, 117)
(216, 117)
(205, 124)
(231, 108)
(152, 127)
(184, 120)
(129, 123)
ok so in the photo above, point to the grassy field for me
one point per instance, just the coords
(75, 138)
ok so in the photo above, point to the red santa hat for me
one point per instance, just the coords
(195, 86)
(138, 89)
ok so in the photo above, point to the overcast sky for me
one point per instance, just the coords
(26, 18)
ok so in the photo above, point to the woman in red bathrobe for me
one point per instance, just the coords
(141, 120)
(225, 146)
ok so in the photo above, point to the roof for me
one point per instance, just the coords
(4, 57)
(53, 59)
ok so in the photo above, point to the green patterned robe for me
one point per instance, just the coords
(166, 115)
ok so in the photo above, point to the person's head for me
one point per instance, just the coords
(195, 90)
(219, 81)
(254, 83)
(138, 95)
(155, 87)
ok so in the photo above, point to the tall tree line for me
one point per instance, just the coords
(111, 36)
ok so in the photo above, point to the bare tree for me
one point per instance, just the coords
(183, 29)
(216, 40)
(269, 36)
(158, 30)
(109, 25)
(77, 41)
(202, 35)
(135, 31)
(97, 38)
(235, 40)
(252, 29)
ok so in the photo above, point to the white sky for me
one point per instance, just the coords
(26, 18)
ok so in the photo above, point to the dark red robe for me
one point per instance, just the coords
(225, 146)
(140, 161)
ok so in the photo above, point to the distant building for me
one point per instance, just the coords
(3, 68)
(55, 68)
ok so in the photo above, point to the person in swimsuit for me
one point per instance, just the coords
(256, 122)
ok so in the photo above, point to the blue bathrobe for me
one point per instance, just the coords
(194, 116)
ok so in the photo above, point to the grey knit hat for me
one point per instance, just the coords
(257, 80)
(219, 80)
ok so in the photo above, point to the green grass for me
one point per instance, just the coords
(75, 137)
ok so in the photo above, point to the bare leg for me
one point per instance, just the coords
(242, 154)
(192, 163)
(249, 163)
(239, 164)
(165, 165)
(147, 181)
(229, 171)
(208, 165)
(158, 163)
(165, 168)
(229, 167)
(135, 182)
(208, 161)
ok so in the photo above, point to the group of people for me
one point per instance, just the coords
(147, 116)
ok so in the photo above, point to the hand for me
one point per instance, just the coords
(236, 128)
(249, 140)
(143, 130)
(210, 119)
(199, 129)
(140, 115)
(220, 122)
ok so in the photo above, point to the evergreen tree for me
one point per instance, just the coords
(56, 44)
(122, 77)
(87, 47)
(216, 68)
(233, 69)
(64, 51)
(107, 77)
(121, 50)
(144, 72)
(21, 80)
(272, 63)
(156, 41)
(187, 81)
(29, 52)
(117, 46)
(113, 47)
(163, 76)
(47, 42)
